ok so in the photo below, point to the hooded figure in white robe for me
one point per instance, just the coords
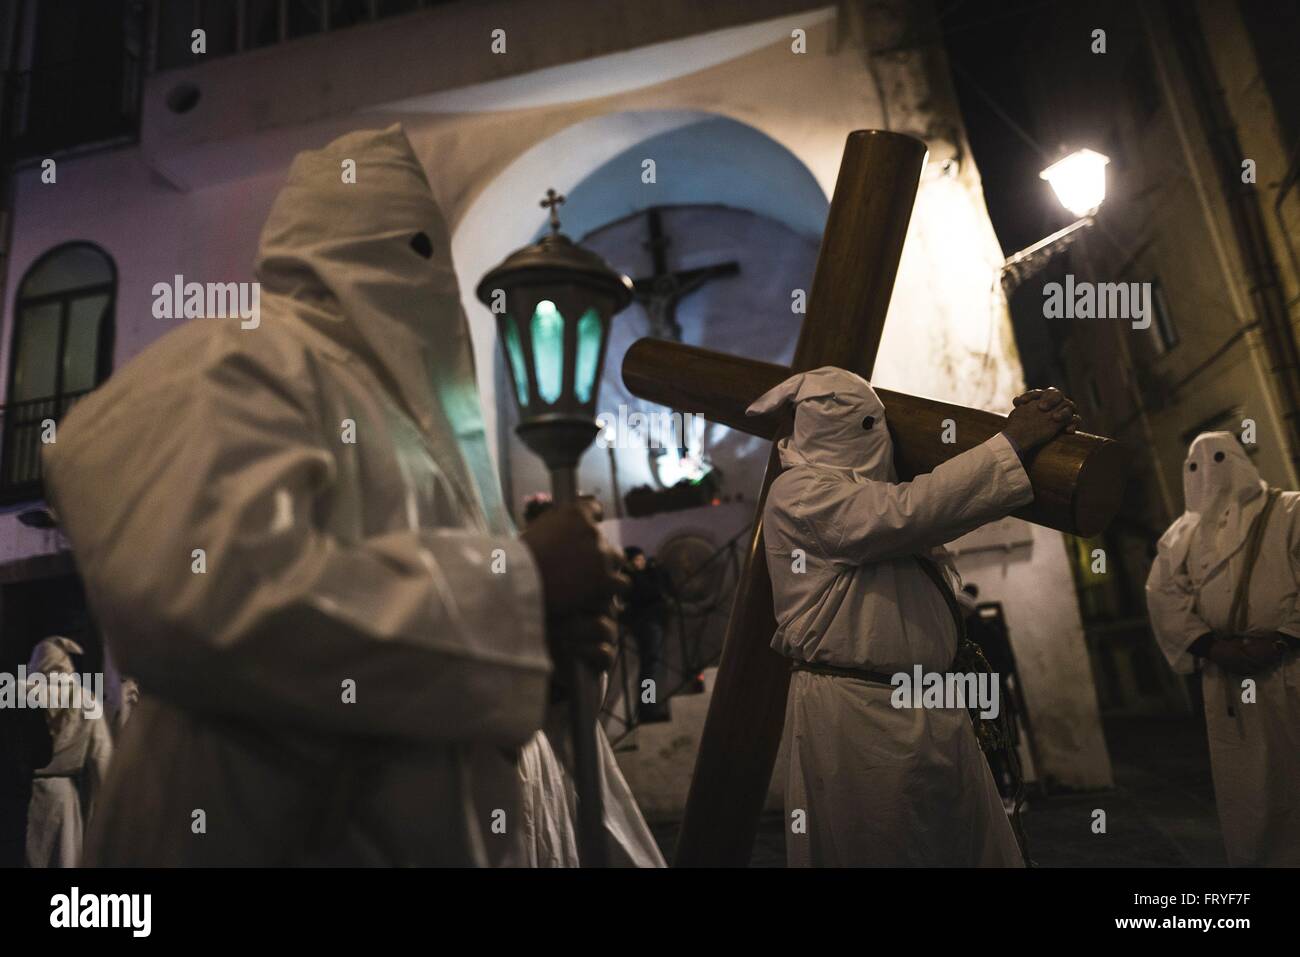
(292, 535)
(876, 784)
(1229, 566)
(64, 792)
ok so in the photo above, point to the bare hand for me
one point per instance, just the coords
(1039, 416)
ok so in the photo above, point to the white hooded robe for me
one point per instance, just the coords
(877, 785)
(295, 540)
(64, 792)
(1255, 749)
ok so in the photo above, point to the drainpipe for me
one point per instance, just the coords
(1246, 216)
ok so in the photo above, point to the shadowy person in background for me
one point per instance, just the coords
(644, 614)
(64, 790)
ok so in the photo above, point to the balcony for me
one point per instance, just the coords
(21, 425)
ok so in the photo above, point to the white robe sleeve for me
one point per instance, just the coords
(861, 522)
(284, 617)
(1171, 603)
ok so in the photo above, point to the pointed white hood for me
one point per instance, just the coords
(839, 423)
(368, 264)
(54, 655)
(1222, 494)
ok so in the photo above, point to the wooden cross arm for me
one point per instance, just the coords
(1078, 478)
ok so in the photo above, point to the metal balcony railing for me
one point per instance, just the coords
(21, 426)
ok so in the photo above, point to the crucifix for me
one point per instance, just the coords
(661, 291)
(1078, 478)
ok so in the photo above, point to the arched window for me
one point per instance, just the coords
(62, 347)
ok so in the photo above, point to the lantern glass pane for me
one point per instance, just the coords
(515, 356)
(584, 373)
(548, 350)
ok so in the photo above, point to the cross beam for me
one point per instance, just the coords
(852, 285)
(1078, 478)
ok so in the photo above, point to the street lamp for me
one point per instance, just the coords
(1079, 182)
(553, 301)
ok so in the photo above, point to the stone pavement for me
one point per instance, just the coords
(1160, 813)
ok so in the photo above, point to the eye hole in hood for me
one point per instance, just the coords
(421, 243)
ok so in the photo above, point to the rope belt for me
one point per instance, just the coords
(1237, 617)
(835, 671)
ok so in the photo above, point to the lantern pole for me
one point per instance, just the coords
(556, 444)
(560, 430)
(584, 697)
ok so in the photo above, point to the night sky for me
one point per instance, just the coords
(983, 38)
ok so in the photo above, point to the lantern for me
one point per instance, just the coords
(553, 302)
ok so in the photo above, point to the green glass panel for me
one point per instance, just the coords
(584, 374)
(515, 354)
(548, 350)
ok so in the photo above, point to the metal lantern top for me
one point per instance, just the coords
(556, 258)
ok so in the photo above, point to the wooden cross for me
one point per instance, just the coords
(1078, 478)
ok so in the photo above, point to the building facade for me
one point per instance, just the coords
(1197, 106)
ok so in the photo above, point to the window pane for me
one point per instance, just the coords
(38, 349)
(73, 267)
(82, 348)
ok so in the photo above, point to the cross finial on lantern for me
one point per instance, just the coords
(553, 201)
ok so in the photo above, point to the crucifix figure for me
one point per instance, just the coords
(1077, 478)
(661, 291)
